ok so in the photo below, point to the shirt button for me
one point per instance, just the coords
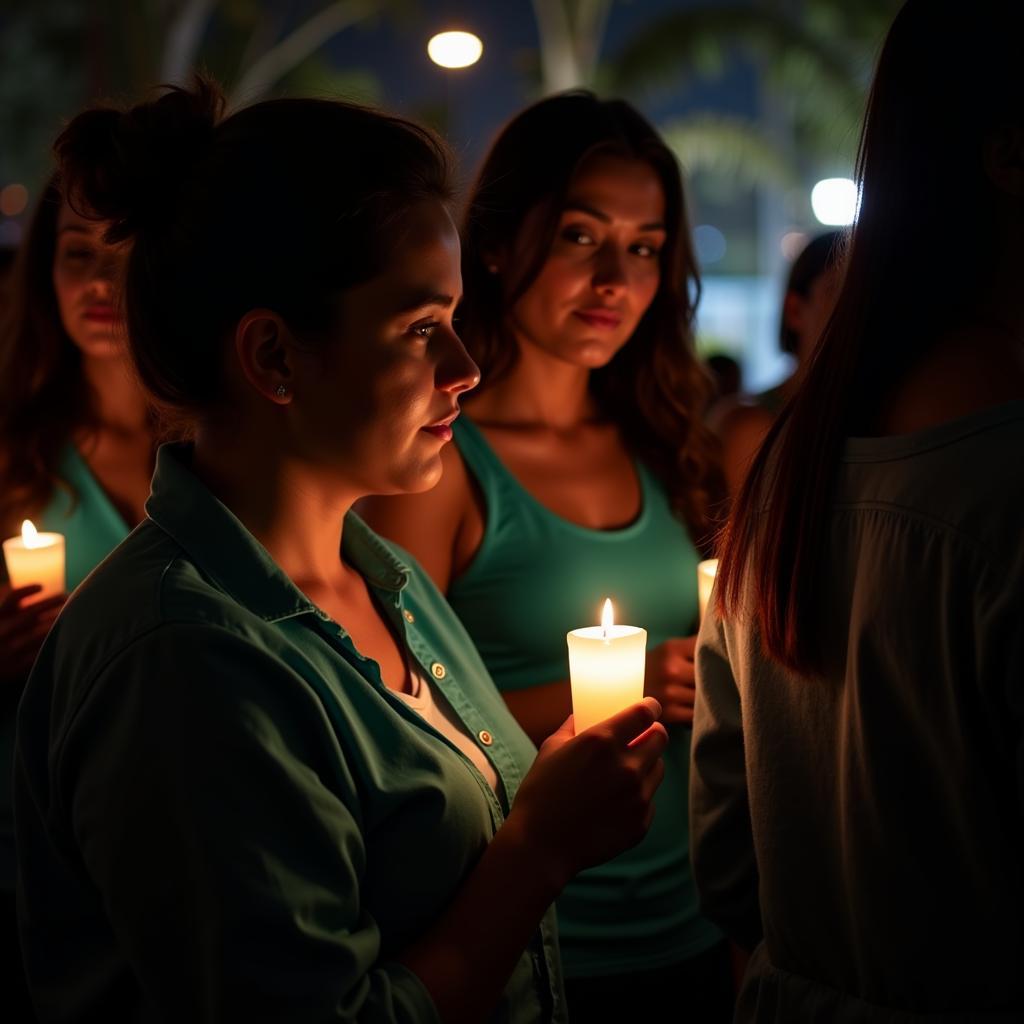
(409, 617)
(485, 737)
(438, 670)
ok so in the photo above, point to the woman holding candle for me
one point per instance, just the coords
(582, 470)
(76, 451)
(859, 737)
(262, 773)
(77, 440)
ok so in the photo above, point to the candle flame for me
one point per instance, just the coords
(29, 535)
(607, 617)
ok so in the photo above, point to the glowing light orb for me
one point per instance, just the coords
(455, 49)
(834, 201)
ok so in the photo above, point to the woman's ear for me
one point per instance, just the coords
(1004, 159)
(263, 343)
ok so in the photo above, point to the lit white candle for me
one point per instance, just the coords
(36, 558)
(606, 669)
(706, 572)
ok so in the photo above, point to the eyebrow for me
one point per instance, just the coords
(425, 297)
(597, 214)
(74, 227)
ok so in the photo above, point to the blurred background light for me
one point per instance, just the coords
(455, 49)
(834, 201)
(710, 244)
(792, 244)
(13, 200)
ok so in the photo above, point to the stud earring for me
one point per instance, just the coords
(280, 391)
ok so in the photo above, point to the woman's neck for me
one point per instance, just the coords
(290, 508)
(539, 391)
(118, 403)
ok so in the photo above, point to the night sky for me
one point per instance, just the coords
(479, 99)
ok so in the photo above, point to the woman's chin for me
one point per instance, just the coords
(418, 478)
(102, 346)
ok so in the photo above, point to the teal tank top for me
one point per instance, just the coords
(92, 528)
(535, 577)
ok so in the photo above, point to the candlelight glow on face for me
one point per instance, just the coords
(606, 668)
(36, 558)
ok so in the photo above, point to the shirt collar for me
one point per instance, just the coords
(225, 551)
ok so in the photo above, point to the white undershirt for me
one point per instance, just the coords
(432, 706)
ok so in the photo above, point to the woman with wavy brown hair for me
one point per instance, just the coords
(76, 447)
(581, 471)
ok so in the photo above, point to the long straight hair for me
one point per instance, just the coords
(654, 388)
(920, 253)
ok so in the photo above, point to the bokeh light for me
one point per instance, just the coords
(455, 49)
(834, 201)
(792, 244)
(13, 200)
(710, 244)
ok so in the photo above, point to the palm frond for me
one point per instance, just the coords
(683, 44)
(734, 147)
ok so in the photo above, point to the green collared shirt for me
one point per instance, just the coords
(223, 813)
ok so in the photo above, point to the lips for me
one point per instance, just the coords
(442, 428)
(599, 316)
(99, 312)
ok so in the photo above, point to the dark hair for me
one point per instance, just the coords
(924, 244)
(817, 256)
(283, 204)
(43, 394)
(655, 388)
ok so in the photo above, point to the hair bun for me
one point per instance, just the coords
(130, 167)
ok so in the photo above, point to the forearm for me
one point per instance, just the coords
(466, 959)
(540, 710)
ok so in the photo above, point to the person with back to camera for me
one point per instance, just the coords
(806, 306)
(77, 445)
(583, 471)
(261, 772)
(859, 733)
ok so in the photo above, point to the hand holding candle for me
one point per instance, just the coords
(606, 669)
(36, 558)
(587, 799)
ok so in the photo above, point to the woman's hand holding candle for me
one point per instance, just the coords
(589, 796)
(38, 558)
(29, 602)
(671, 677)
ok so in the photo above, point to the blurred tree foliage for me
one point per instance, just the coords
(814, 57)
(812, 60)
(58, 55)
